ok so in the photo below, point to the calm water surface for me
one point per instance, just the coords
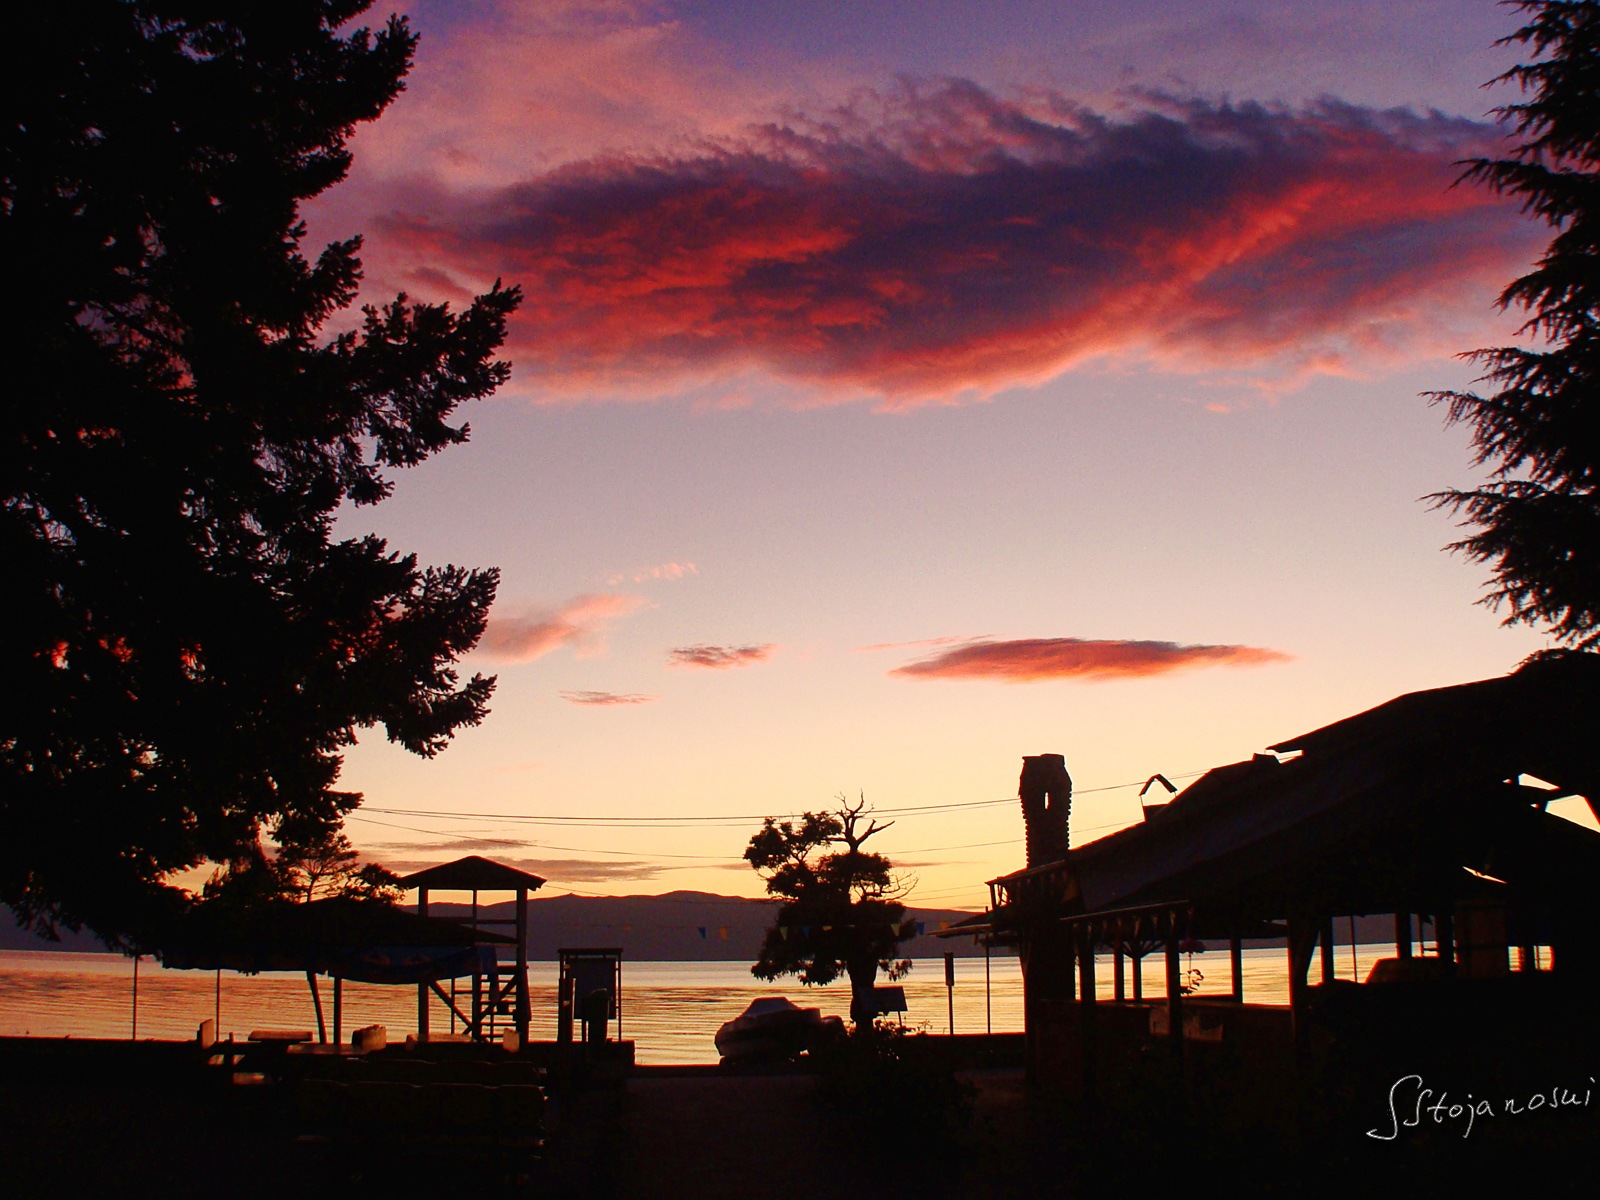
(670, 1009)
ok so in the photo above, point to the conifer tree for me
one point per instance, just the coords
(1537, 520)
(189, 645)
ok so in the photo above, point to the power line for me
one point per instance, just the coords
(568, 849)
(711, 821)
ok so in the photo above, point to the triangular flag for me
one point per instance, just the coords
(722, 932)
(702, 930)
(922, 928)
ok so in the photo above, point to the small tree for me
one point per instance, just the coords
(841, 912)
(324, 866)
(1537, 521)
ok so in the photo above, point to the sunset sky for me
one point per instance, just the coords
(904, 388)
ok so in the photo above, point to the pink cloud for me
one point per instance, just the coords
(606, 699)
(720, 658)
(669, 570)
(580, 624)
(943, 239)
(1028, 660)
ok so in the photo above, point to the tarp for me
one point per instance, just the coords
(337, 935)
(414, 964)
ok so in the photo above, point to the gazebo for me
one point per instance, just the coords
(496, 987)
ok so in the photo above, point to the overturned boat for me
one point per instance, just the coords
(774, 1028)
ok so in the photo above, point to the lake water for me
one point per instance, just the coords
(671, 1010)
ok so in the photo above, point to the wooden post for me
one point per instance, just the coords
(476, 1029)
(1325, 937)
(950, 987)
(316, 1001)
(1086, 1017)
(1174, 988)
(1402, 934)
(1119, 989)
(134, 1036)
(338, 1010)
(216, 1014)
(1236, 964)
(1086, 968)
(1444, 926)
(1136, 954)
(422, 988)
(988, 1008)
(523, 1006)
(1302, 939)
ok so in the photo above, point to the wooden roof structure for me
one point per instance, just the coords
(473, 874)
(1389, 810)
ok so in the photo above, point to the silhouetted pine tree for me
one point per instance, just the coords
(1537, 521)
(841, 913)
(187, 647)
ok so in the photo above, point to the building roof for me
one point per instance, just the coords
(1390, 809)
(472, 874)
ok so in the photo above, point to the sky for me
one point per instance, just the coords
(903, 389)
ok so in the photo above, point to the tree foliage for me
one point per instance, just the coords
(1537, 520)
(189, 647)
(841, 913)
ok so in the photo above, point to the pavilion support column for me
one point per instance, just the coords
(1174, 988)
(338, 1010)
(480, 1015)
(1302, 941)
(422, 988)
(316, 1002)
(1086, 1014)
(1444, 927)
(1119, 986)
(1236, 966)
(524, 1009)
(1325, 938)
(1402, 935)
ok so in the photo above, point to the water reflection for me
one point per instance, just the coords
(670, 1009)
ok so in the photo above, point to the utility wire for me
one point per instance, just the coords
(683, 822)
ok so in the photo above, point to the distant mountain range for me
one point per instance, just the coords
(676, 927)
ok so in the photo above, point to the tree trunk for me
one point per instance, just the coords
(863, 994)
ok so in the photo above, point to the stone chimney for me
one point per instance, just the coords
(1046, 793)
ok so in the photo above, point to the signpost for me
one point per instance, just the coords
(950, 987)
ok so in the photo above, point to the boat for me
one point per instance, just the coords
(774, 1027)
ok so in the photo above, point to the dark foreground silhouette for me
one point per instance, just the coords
(112, 1119)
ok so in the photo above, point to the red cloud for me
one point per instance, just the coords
(578, 623)
(719, 657)
(955, 240)
(1027, 660)
(606, 699)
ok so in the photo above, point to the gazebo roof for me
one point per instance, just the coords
(473, 874)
